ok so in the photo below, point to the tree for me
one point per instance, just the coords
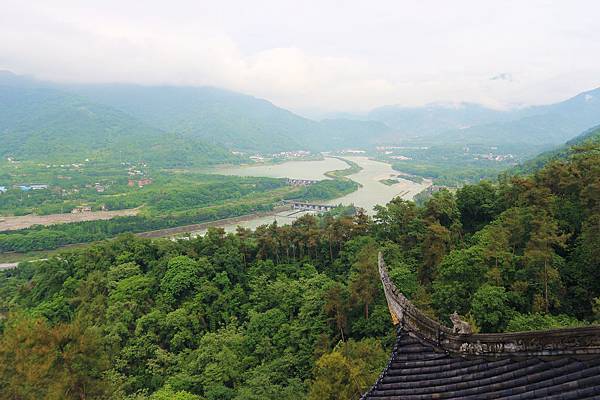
(442, 207)
(348, 371)
(434, 247)
(537, 322)
(478, 205)
(182, 278)
(490, 308)
(460, 274)
(167, 393)
(396, 220)
(336, 306)
(364, 278)
(540, 254)
(62, 362)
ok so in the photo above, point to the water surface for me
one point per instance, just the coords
(292, 169)
(371, 193)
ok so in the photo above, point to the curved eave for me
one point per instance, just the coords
(556, 342)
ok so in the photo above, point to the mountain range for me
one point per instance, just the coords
(469, 123)
(199, 125)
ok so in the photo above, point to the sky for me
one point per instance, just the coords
(316, 57)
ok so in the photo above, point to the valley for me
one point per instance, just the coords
(284, 200)
(370, 192)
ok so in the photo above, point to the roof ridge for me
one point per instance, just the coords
(578, 341)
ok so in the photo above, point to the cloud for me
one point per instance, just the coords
(313, 56)
(68, 52)
(502, 77)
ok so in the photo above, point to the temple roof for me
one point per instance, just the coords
(432, 361)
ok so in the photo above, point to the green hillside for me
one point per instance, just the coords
(231, 119)
(587, 138)
(45, 124)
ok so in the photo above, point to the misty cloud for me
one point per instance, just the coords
(502, 77)
(318, 56)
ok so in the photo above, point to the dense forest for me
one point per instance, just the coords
(297, 312)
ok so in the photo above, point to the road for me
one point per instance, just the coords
(4, 266)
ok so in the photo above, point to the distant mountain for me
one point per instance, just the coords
(48, 124)
(590, 136)
(108, 117)
(44, 120)
(346, 133)
(541, 125)
(233, 120)
(537, 126)
(435, 118)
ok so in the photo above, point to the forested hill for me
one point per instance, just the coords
(46, 124)
(231, 119)
(295, 312)
(203, 116)
(187, 116)
(590, 137)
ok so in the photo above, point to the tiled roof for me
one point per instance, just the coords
(431, 361)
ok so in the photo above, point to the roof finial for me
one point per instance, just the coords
(459, 325)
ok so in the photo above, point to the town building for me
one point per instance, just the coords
(28, 187)
(81, 209)
(432, 361)
(144, 182)
(39, 187)
(301, 182)
(139, 183)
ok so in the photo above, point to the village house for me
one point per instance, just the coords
(81, 209)
(144, 182)
(141, 183)
(39, 187)
(28, 187)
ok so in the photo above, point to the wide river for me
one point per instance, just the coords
(371, 193)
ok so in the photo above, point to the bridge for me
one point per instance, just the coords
(301, 182)
(302, 206)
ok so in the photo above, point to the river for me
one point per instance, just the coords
(371, 192)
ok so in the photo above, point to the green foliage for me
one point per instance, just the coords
(54, 362)
(297, 311)
(537, 322)
(51, 125)
(490, 308)
(459, 276)
(348, 371)
(174, 199)
(167, 393)
(478, 205)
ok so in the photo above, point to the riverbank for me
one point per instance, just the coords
(344, 173)
(179, 230)
(26, 221)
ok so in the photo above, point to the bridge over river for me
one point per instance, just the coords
(302, 206)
